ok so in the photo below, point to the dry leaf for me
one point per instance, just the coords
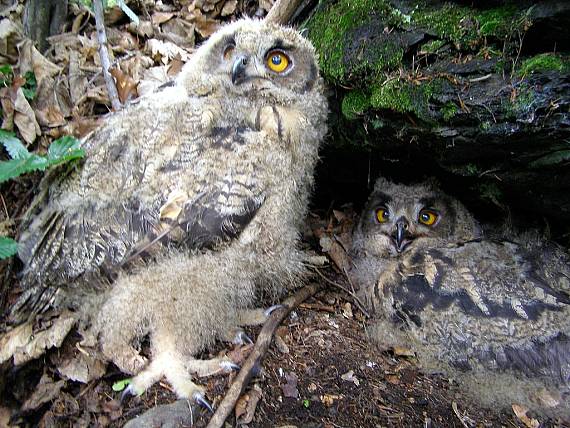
(45, 391)
(126, 86)
(51, 117)
(204, 26)
(347, 310)
(25, 119)
(290, 387)
(520, 412)
(329, 399)
(161, 17)
(165, 51)
(349, 377)
(246, 405)
(32, 60)
(10, 36)
(52, 336)
(81, 368)
(14, 339)
(229, 8)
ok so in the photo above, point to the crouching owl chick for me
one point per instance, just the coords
(208, 179)
(494, 312)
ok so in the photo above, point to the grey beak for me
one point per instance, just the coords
(238, 69)
(401, 234)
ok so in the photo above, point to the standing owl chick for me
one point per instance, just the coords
(209, 178)
(498, 310)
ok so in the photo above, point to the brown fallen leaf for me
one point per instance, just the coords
(349, 377)
(290, 387)
(126, 86)
(329, 399)
(81, 368)
(520, 413)
(45, 391)
(25, 118)
(32, 60)
(51, 337)
(161, 17)
(246, 405)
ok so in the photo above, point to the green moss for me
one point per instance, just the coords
(543, 62)
(521, 104)
(405, 97)
(354, 104)
(449, 110)
(330, 31)
(465, 26)
(432, 46)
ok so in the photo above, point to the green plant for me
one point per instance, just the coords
(28, 88)
(60, 151)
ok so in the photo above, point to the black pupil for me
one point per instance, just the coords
(276, 59)
(384, 214)
(425, 217)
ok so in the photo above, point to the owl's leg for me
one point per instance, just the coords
(248, 318)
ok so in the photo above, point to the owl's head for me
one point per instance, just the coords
(399, 218)
(253, 58)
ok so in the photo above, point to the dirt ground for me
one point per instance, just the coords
(320, 371)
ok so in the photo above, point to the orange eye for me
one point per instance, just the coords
(382, 215)
(277, 61)
(427, 217)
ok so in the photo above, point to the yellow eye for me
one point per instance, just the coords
(277, 61)
(382, 215)
(428, 217)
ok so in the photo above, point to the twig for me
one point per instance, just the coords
(104, 55)
(346, 290)
(282, 11)
(257, 354)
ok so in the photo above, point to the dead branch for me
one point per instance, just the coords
(104, 55)
(257, 354)
(282, 11)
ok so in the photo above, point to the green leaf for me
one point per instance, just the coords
(64, 149)
(29, 89)
(121, 384)
(8, 247)
(16, 167)
(553, 158)
(13, 145)
(6, 69)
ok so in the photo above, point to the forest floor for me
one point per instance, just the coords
(320, 371)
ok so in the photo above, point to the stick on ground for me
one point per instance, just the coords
(104, 55)
(254, 360)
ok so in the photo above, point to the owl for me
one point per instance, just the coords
(186, 208)
(493, 311)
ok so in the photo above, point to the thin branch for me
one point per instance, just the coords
(104, 55)
(254, 360)
(346, 290)
(282, 11)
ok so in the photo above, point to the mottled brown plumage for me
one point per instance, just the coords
(208, 178)
(496, 309)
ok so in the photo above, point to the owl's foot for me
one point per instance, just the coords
(176, 371)
(253, 317)
(202, 368)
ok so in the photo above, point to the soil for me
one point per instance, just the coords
(320, 371)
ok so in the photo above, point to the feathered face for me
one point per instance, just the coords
(399, 218)
(255, 58)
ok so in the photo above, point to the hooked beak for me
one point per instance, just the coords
(402, 236)
(238, 69)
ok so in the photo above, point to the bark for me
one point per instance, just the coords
(44, 18)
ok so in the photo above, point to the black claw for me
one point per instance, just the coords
(127, 392)
(272, 309)
(199, 398)
(234, 366)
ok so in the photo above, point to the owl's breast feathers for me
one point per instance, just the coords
(164, 181)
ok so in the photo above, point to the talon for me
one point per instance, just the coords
(228, 366)
(127, 392)
(199, 398)
(272, 309)
(242, 339)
